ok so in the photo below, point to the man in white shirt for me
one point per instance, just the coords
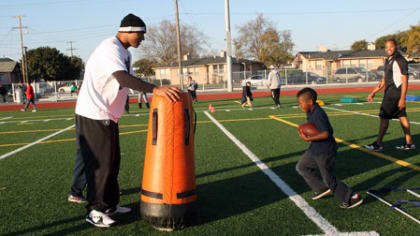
(108, 76)
(274, 83)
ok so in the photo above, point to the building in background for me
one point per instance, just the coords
(325, 62)
(9, 72)
(205, 70)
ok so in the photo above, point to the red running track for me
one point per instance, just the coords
(215, 96)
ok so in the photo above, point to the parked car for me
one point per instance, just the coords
(413, 71)
(66, 88)
(354, 74)
(256, 80)
(300, 78)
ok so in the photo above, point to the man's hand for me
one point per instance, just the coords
(171, 93)
(401, 104)
(302, 136)
(370, 97)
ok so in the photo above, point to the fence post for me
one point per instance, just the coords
(306, 75)
(285, 74)
(55, 90)
(347, 79)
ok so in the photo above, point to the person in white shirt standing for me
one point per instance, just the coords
(108, 76)
(274, 83)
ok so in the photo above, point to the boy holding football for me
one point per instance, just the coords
(321, 154)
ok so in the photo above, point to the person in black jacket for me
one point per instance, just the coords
(246, 95)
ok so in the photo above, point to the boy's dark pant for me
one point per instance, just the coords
(100, 146)
(79, 175)
(307, 166)
(28, 102)
(275, 94)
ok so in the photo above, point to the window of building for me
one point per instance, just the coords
(221, 69)
(318, 65)
(363, 63)
(215, 70)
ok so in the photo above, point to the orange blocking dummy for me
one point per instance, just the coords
(168, 189)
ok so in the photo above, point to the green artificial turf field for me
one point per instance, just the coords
(234, 196)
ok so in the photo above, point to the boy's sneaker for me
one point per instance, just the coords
(410, 146)
(355, 201)
(34, 110)
(76, 199)
(318, 195)
(117, 209)
(22, 110)
(99, 219)
(374, 147)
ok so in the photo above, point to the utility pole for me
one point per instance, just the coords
(20, 27)
(179, 48)
(228, 47)
(71, 49)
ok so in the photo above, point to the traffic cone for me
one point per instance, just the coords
(210, 106)
(212, 110)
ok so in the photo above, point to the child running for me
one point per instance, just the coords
(321, 155)
(247, 95)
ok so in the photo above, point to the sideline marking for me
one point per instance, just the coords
(366, 114)
(34, 143)
(309, 211)
(66, 140)
(355, 146)
(6, 118)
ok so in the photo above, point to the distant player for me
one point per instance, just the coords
(395, 82)
(143, 96)
(30, 98)
(192, 87)
(321, 155)
(246, 99)
(274, 83)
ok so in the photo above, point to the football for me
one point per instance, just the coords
(308, 129)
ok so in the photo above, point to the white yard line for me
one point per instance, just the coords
(364, 114)
(6, 118)
(36, 142)
(309, 211)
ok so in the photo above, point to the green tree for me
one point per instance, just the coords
(359, 45)
(400, 38)
(413, 40)
(259, 39)
(144, 67)
(50, 64)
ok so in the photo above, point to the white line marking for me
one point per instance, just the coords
(5, 118)
(365, 114)
(413, 193)
(396, 208)
(309, 211)
(34, 143)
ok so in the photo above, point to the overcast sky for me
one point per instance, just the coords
(336, 24)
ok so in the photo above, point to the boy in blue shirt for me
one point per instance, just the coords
(321, 155)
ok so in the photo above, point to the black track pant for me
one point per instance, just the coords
(307, 167)
(275, 94)
(100, 147)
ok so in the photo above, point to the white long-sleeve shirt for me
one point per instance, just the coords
(273, 80)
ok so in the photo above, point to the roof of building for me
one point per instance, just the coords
(334, 55)
(7, 65)
(207, 61)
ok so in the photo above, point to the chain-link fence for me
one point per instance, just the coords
(207, 82)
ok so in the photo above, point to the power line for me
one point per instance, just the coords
(308, 12)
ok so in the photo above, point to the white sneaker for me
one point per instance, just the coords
(22, 110)
(99, 219)
(33, 110)
(118, 209)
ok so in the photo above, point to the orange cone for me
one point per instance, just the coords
(213, 110)
(168, 191)
(210, 106)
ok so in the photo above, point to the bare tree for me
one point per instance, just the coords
(258, 39)
(160, 42)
